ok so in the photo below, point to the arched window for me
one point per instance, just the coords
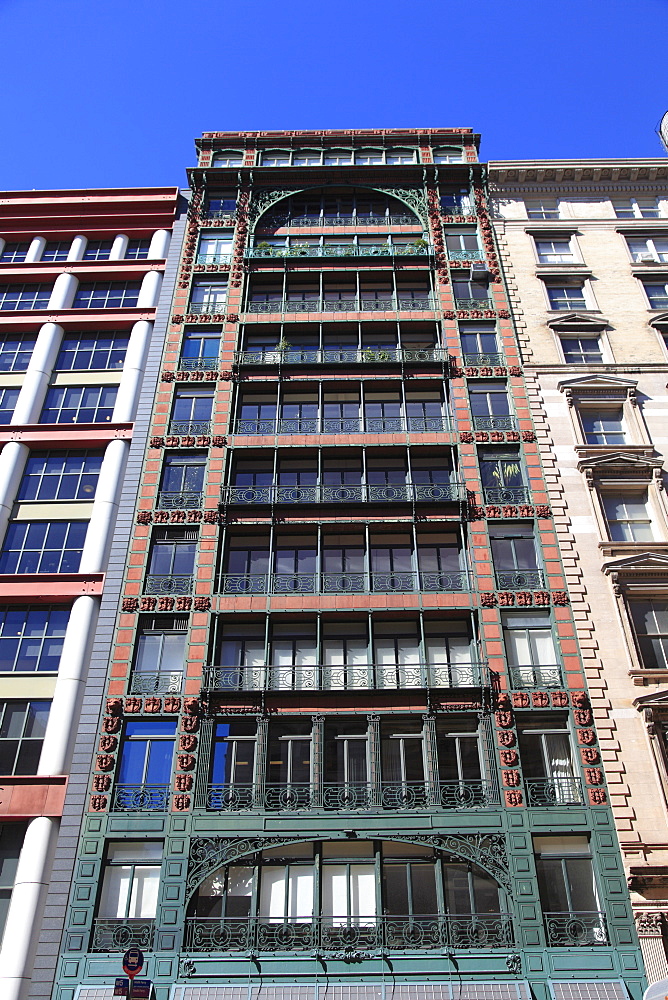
(395, 156)
(230, 158)
(306, 158)
(368, 157)
(338, 157)
(276, 158)
(449, 155)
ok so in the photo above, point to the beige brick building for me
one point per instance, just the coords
(584, 246)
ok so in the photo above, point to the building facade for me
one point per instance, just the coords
(585, 249)
(80, 277)
(347, 746)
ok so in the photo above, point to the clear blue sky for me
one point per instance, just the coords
(113, 92)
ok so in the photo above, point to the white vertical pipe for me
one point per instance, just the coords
(63, 292)
(78, 248)
(35, 250)
(105, 507)
(149, 293)
(133, 373)
(13, 458)
(159, 246)
(38, 374)
(119, 247)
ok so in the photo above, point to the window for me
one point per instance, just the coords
(223, 204)
(172, 556)
(338, 157)
(555, 251)
(398, 156)
(232, 764)
(22, 728)
(80, 404)
(60, 475)
(101, 352)
(11, 842)
(98, 250)
(456, 201)
(567, 889)
(21, 297)
(502, 475)
(547, 762)
(130, 883)
(215, 249)
(542, 208)
(567, 296)
(449, 155)
(43, 547)
(636, 208)
(192, 411)
(14, 253)
(208, 296)
(645, 248)
(368, 157)
(579, 350)
(462, 246)
(604, 426)
(137, 249)
(8, 401)
(650, 624)
(200, 350)
(182, 480)
(657, 294)
(145, 765)
(306, 158)
(472, 293)
(628, 518)
(107, 295)
(530, 651)
(515, 557)
(15, 352)
(275, 158)
(56, 250)
(160, 658)
(230, 158)
(490, 407)
(31, 638)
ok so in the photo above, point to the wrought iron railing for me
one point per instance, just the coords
(298, 221)
(424, 303)
(457, 210)
(351, 796)
(349, 493)
(198, 364)
(507, 494)
(519, 579)
(533, 675)
(417, 249)
(346, 425)
(160, 682)
(466, 254)
(140, 798)
(585, 928)
(500, 422)
(346, 677)
(179, 501)
(119, 934)
(347, 937)
(190, 427)
(214, 258)
(344, 583)
(167, 583)
(205, 308)
(560, 791)
(227, 218)
(474, 303)
(340, 355)
(492, 358)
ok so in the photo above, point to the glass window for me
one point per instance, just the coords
(15, 298)
(542, 208)
(100, 352)
(15, 352)
(603, 426)
(31, 638)
(636, 208)
(161, 650)
(98, 250)
(60, 475)
(473, 290)
(395, 156)
(515, 556)
(14, 253)
(565, 875)
(275, 158)
(645, 248)
(215, 249)
(145, 764)
(56, 250)
(11, 842)
(107, 295)
(566, 296)
(628, 518)
(173, 554)
(183, 477)
(200, 349)
(650, 624)
(555, 251)
(80, 404)
(502, 475)
(233, 762)
(131, 880)
(657, 293)
(456, 202)
(192, 411)
(581, 350)
(223, 204)
(368, 157)
(530, 650)
(22, 728)
(43, 547)
(138, 249)
(306, 158)
(338, 157)
(208, 296)
(8, 401)
(449, 155)
(230, 158)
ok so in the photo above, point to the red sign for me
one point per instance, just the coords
(133, 962)
(121, 987)
(141, 989)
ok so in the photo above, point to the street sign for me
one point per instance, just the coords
(141, 989)
(122, 987)
(133, 962)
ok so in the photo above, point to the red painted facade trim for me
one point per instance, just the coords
(65, 436)
(27, 796)
(51, 587)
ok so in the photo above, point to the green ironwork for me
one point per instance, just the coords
(345, 677)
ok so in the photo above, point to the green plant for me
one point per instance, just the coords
(283, 345)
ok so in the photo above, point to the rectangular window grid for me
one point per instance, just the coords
(15, 298)
(107, 295)
(60, 475)
(43, 547)
(22, 728)
(14, 253)
(81, 404)
(15, 352)
(137, 249)
(31, 638)
(56, 250)
(98, 250)
(102, 352)
(582, 350)
(11, 842)
(8, 401)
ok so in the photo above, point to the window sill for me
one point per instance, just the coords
(593, 450)
(621, 549)
(652, 676)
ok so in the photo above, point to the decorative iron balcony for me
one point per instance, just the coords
(347, 936)
(297, 221)
(160, 682)
(344, 583)
(532, 675)
(346, 677)
(220, 215)
(206, 308)
(198, 364)
(140, 798)
(214, 258)
(500, 422)
(353, 304)
(466, 254)
(348, 425)
(457, 210)
(119, 934)
(586, 928)
(340, 355)
(553, 791)
(519, 579)
(417, 249)
(179, 501)
(168, 584)
(484, 359)
(474, 303)
(190, 427)
(351, 797)
(507, 494)
(435, 493)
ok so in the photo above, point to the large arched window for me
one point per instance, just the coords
(336, 206)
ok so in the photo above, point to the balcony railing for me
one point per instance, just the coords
(353, 304)
(585, 928)
(532, 675)
(519, 579)
(351, 797)
(166, 583)
(500, 422)
(214, 258)
(457, 210)
(409, 492)
(340, 355)
(140, 798)
(220, 215)
(344, 583)
(120, 933)
(507, 494)
(159, 682)
(347, 425)
(206, 308)
(198, 364)
(553, 791)
(345, 677)
(298, 221)
(417, 249)
(474, 303)
(190, 427)
(349, 936)
(484, 359)
(466, 254)
(179, 501)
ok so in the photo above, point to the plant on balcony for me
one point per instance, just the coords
(371, 355)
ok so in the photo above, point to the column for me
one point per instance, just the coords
(38, 374)
(159, 245)
(649, 924)
(64, 290)
(260, 776)
(318, 749)
(149, 293)
(373, 731)
(35, 250)
(429, 736)
(13, 458)
(119, 247)
(105, 508)
(78, 248)
(133, 373)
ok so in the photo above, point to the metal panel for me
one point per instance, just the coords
(485, 990)
(591, 989)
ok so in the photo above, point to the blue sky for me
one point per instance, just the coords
(112, 92)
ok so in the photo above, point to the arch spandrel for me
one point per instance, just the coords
(263, 200)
